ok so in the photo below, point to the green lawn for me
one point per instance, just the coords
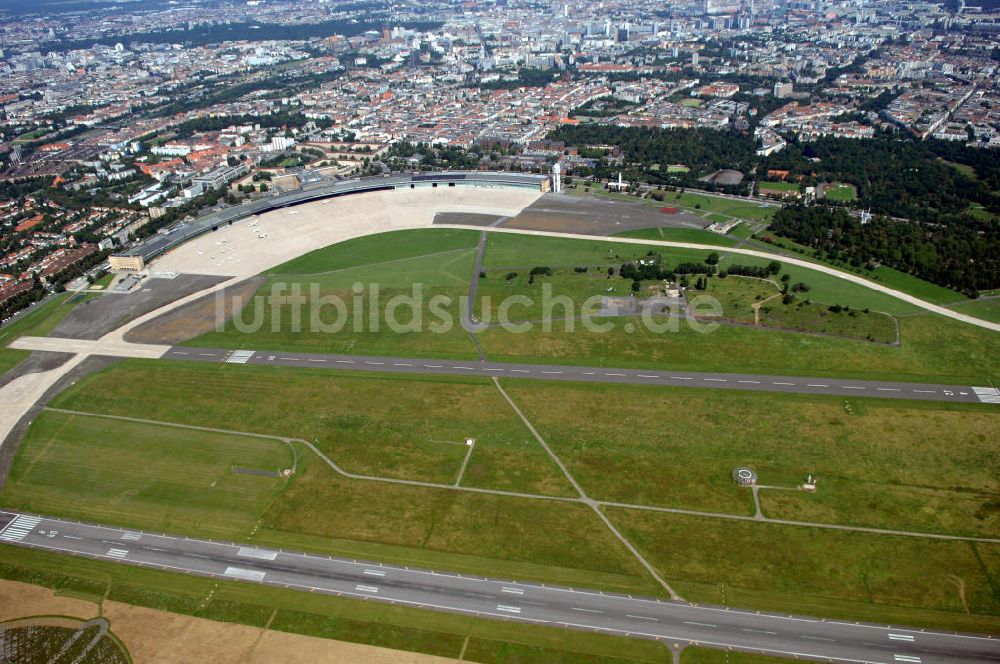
(985, 309)
(738, 295)
(856, 576)
(378, 425)
(314, 614)
(840, 192)
(38, 321)
(890, 464)
(934, 349)
(911, 285)
(381, 248)
(777, 186)
(144, 476)
(677, 168)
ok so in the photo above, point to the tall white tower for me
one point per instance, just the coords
(557, 178)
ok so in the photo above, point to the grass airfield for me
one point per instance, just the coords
(921, 467)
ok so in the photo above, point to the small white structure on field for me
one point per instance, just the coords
(617, 186)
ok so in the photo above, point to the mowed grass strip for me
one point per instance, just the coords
(144, 476)
(379, 248)
(319, 615)
(856, 576)
(526, 538)
(404, 427)
(890, 464)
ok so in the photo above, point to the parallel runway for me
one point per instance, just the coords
(752, 382)
(667, 621)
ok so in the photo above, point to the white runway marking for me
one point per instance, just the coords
(261, 554)
(19, 528)
(513, 591)
(987, 394)
(247, 574)
(901, 637)
(131, 536)
(906, 658)
(508, 609)
(366, 589)
(240, 356)
(374, 572)
(117, 553)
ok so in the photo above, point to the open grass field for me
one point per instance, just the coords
(739, 295)
(860, 576)
(777, 186)
(382, 248)
(144, 476)
(379, 425)
(321, 326)
(840, 192)
(685, 453)
(38, 321)
(985, 309)
(441, 634)
(886, 464)
(432, 527)
(934, 349)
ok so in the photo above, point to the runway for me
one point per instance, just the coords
(730, 381)
(671, 622)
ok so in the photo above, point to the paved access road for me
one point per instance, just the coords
(668, 621)
(752, 382)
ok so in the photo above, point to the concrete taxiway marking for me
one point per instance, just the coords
(508, 609)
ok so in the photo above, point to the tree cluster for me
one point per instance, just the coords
(961, 256)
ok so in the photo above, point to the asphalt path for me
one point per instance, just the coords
(672, 622)
(731, 381)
